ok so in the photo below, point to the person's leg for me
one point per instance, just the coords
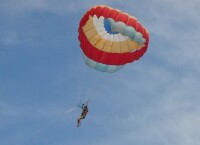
(78, 122)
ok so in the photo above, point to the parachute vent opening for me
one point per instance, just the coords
(108, 27)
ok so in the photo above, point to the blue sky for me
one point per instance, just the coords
(153, 101)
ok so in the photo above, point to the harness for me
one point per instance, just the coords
(84, 113)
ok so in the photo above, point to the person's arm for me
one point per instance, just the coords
(83, 106)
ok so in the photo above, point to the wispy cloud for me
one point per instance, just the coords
(152, 101)
(9, 38)
(55, 6)
(167, 115)
(177, 23)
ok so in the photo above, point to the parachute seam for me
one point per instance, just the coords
(119, 49)
(118, 15)
(117, 35)
(103, 50)
(101, 11)
(129, 38)
(111, 48)
(108, 13)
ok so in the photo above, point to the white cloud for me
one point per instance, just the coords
(55, 6)
(9, 38)
(167, 92)
(28, 111)
(159, 105)
(170, 120)
(177, 23)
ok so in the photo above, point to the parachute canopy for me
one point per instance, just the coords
(110, 38)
